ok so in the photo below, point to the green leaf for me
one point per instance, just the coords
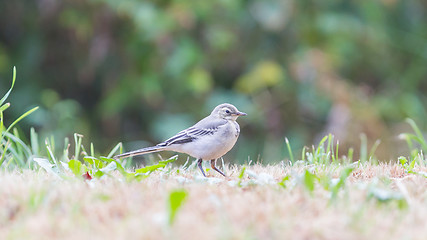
(110, 167)
(98, 174)
(127, 175)
(387, 196)
(412, 165)
(170, 160)
(309, 181)
(345, 173)
(106, 159)
(149, 169)
(403, 160)
(242, 173)
(176, 199)
(284, 180)
(77, 167)
(94, 162)
(46, 165)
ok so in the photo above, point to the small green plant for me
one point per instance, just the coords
(407, 165)
(417, 146)
(324, 154)
(91, 166)
(241, 175)
(288, 145)
(416, 143)
(175, 201)
(282, 183)
(14, 151)
(364, 156)
(385, 196)
(333, 185)
(309, 180)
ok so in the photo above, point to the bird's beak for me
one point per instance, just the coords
(241, 114)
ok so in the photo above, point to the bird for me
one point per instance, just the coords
(209, 139)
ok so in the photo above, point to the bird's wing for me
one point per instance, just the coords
(202, 128)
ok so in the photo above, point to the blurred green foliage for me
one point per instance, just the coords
(141, 70)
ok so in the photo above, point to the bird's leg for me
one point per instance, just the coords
(199, 163)
(216, 169)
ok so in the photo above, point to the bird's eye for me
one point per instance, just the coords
(227, 111)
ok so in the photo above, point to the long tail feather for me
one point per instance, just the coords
(140, 152)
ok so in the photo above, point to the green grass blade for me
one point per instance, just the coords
(170, 160)
(176, 199)
(303, 154)
(420, 138)
(336, 151)
(2, 128)
(34, 141)
(319, 154)
(150, 168)
(18, 147)
(16, 121)
(241, 175)
(78, 143)
(282, 183)
(114, 150)
(52, 156)
(10, 89)
(309, 181)
(21, 117)
(330, 147)
(19, 150)
(92, 150)
(374, 148)
(288, 145)
(345, 173)
(350, 154)
(363, 148)
(65, 154)
(3, 155)
(4, 107)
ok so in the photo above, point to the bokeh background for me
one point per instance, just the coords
(139, 71)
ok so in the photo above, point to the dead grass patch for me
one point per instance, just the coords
(36, 205)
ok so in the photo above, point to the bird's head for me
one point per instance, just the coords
(227, 111)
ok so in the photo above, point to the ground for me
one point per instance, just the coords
(376, 201)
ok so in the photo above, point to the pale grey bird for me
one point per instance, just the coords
(209, 139)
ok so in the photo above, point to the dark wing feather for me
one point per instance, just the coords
(193, 133)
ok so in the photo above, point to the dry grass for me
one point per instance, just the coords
(36, 205)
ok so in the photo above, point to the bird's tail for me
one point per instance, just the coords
(140, 152)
